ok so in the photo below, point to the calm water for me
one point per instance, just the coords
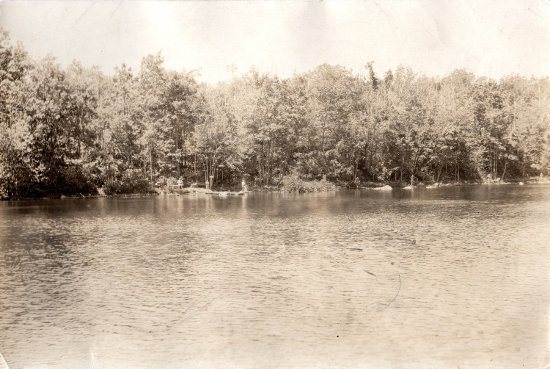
(452, 277)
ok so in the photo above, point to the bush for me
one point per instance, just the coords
(18, 183)
(72, 181)
(130, 183)
(60, 180)
(293, 183)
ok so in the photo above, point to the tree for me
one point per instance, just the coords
(16, 178)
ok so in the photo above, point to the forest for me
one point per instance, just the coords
(72, 130)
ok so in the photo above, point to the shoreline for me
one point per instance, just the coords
(377, 186)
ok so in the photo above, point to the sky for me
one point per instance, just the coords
(490, 38)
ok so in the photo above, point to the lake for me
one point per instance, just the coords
(443, 278)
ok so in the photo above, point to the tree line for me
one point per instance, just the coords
(72, 130)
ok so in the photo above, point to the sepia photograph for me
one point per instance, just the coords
(306, 184)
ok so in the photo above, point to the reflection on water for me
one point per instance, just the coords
(452, 277)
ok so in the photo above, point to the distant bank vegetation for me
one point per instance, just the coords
(73, 130)
(294, 183)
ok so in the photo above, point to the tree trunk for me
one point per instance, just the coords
(401, 169)
(151, 161)
(496, 165)
(504, 171)
(439, 173)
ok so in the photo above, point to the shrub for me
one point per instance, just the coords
(72, 181)
(131, 182)
(293, 183)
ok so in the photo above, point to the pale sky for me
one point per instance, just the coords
(491, 38)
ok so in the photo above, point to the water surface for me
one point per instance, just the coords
(450, 277)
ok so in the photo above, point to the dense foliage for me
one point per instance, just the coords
(72, 130)
(293, 183)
